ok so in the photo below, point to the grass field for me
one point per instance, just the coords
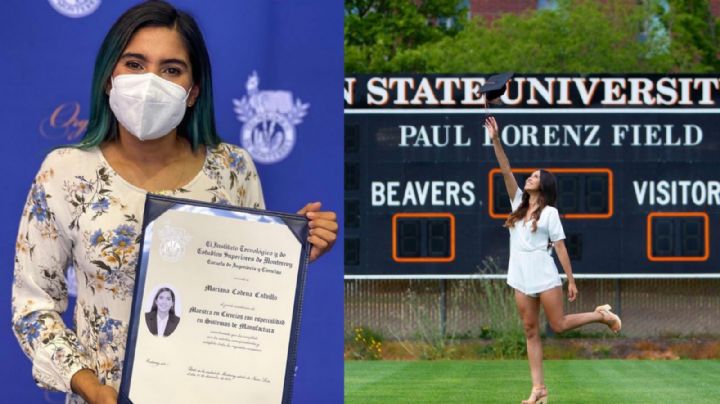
(508, 381)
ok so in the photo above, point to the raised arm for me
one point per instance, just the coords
(510, 183)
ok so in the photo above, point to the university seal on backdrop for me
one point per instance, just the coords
(75, 8)
(269, 119)
(172, 243)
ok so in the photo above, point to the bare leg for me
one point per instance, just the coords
(529, 312)
(552, 301)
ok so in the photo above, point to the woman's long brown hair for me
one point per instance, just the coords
(548, 195)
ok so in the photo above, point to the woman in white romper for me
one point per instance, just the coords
(535, 227)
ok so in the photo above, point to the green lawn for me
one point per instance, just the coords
(508, 381)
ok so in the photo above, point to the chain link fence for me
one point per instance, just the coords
(406, 309)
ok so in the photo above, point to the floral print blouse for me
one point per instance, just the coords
(80, 212)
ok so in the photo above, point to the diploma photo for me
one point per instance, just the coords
(162, 319)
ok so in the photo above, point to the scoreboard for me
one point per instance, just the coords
(635, 157)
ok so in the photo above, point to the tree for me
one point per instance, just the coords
(613, 36)
(692, 35)
(376, 30)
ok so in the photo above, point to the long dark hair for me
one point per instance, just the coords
(198, 125)
(547, 197)
(172, 294)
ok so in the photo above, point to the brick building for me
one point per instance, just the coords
(492, 9)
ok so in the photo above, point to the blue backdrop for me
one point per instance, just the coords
(46, 64)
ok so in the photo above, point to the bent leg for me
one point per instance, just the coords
(552, 301)
(529, 309)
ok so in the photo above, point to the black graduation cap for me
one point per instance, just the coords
(494, 86)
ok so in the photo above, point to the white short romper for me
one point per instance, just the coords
(531, 269)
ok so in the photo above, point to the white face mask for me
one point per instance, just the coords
(147, 106)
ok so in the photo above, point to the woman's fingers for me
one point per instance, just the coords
(310, 207)
(323, 236)
(572, 292)
(328, 224)
(491, 124)
(323, 229)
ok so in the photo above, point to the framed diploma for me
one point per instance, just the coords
(217, 305)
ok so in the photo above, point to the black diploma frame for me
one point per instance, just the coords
(233, 332)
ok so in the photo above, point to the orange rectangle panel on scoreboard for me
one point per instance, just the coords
(427, 237)
(678, 236)
(583, 193)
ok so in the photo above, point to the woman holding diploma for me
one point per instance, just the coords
(535, 227)
(151, 129)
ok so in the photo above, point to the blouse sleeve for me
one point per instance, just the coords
(39, 291)
(515, 203)
(555, 229)
(253, 195)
